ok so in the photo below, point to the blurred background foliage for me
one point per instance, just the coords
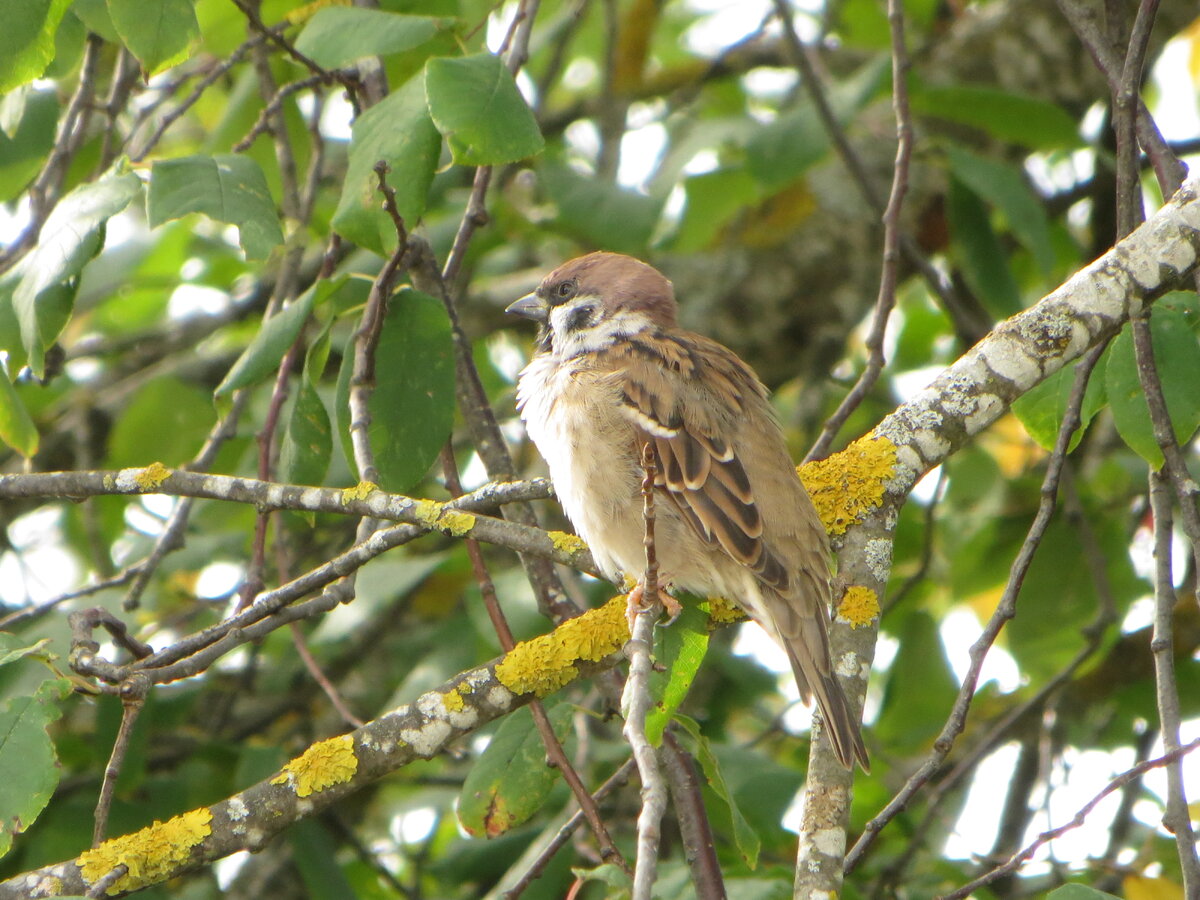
(168, 176)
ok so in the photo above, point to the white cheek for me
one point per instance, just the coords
(569, 343)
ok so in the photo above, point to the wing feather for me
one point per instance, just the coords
(698, 468)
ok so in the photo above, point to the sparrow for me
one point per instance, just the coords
(613, 372)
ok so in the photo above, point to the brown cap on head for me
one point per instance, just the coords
(621, 281)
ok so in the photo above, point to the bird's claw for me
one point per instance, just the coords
(636, 604)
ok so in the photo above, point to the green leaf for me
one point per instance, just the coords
(399, 131)
(1017, 118)
(339, 35)
(610, 875)
(314, 851)
(276, 335)
(780, 151)
(16, 425)
(38, 648)
(920, 687)
(71, 236)
(1177, 357)
(69, 42)
(714, 199)
(1041, 409)
(27, 39)
(748, 842)
(599, 213)
(225, 187)
(983, 260)
(307, 439)
(678, 651)
(23, 151)
(94, 16)
(28, 766)
(511, 780)
(166, 421)
(156, 33)
(1005, 187)
(1041, 643)
(1079, 892)
(475, 103)
(412, 404)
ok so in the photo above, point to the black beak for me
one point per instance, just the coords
(531, 306)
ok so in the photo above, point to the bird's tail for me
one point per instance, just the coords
(841, 725)
(808, 653)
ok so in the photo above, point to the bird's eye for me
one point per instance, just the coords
(565, 290)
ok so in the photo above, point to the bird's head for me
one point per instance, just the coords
(586, 304)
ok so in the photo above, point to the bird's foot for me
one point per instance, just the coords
(637, 603)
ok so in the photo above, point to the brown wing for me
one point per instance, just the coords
(697, 466)
(690, 398)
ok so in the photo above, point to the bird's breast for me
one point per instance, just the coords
(572, 414)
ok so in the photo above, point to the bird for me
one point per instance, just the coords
(613, 372)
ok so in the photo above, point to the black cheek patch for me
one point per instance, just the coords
(579, 319)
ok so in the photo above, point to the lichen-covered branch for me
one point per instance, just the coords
(1022, 351)
(457, 518)
(967, 397)
(331, 769)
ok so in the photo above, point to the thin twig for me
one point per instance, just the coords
(133, 698)
(29, 614)
(210, 78)
(275, 36)
(1167, 166)
(124, 77)
(694, 827)
(944, 789)
(535, 870)
(322, 680)
(889, 275)
(253, 582)
(1177, 819)
(636, 700)
(811, 83)
(1080, 817)
(362, 378)
(1126, 103)
(860, 176)
(263, 122)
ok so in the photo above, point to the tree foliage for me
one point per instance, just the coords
(271, 241)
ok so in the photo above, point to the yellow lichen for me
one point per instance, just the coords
(109, 482)
(322, 765)
(151, 855)
(566, 543)
(427, 512)
(152, 476)
(722, 611)
(360, 491)
(439, 517)
(453, 700)
(859, 606)
(546, 663)
(848, 485)
(455, 523)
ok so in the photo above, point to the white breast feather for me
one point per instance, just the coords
(586, 456)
